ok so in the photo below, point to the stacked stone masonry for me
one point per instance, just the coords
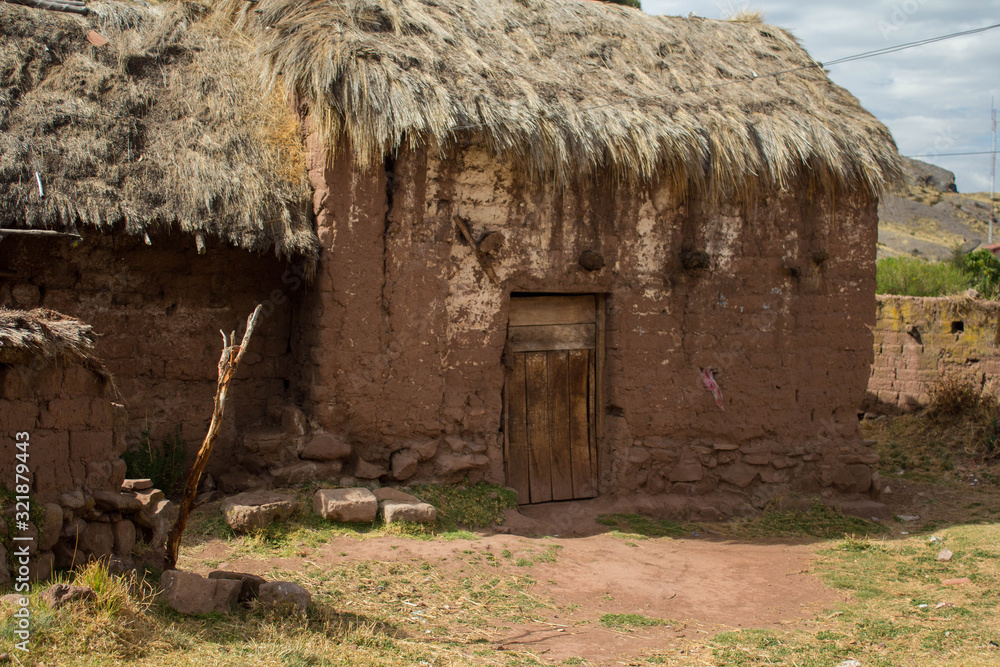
(921, 340)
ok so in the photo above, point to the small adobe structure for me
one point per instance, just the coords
(502, 240)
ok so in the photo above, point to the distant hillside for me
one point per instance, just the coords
(932, 218)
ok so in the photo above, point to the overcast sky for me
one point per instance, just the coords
(935, 99)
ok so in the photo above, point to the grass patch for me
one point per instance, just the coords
(475, 506)
(478, 505)
(957, 431)
(899, 612)
(910, 276)
(363, 613)
(817, 521)
(637, 526)
(626, 621)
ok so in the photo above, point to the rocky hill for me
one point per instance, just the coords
(930, 218)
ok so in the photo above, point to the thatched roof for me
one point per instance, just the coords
(163, 128)
(26, 335)
(168, 126)
(568, 87)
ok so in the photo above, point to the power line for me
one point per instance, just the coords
(950, 154)
(910, 45)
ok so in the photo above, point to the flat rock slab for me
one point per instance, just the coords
(346, 505)
(284, 594)
(117, 502)
(389, 493)
(137, 484)
(192, 594)
(250, 583)
(57, 595)
(252, 510)
(394, 510)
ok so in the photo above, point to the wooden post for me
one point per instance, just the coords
(228, 364)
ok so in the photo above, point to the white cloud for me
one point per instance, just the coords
(927, 96)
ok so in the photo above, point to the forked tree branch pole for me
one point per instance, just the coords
(228, 363)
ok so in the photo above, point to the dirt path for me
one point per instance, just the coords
(700, 585)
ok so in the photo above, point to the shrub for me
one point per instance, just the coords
(909, 276)
(164, 465)
(983, 269)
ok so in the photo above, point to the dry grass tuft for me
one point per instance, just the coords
(41, 334)
(958, 432)
(566, 88)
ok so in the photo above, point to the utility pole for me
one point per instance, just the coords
(993, 171)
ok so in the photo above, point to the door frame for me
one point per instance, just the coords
(600, 305)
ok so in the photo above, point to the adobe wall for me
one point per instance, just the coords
(920, 340)
(157, 311)
(73, 435)
(405, 353)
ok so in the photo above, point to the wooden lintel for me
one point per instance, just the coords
(37, 232)
(481, 257)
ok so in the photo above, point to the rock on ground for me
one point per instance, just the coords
(249, 583)
(389, 493)
(393, 510)
(191, 594)
(57, 595)
(253, 510)
(279, 594)
(346, 505)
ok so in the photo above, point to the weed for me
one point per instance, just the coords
(165, 465)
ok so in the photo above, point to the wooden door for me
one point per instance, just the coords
(552, 397)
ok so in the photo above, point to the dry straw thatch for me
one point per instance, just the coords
(45, 334)
(163, 128)
(567, 87)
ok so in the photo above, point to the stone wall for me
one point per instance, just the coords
(157, 311)
(919, 341)
(404, 348)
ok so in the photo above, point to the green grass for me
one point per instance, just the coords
(817, 521)
(627, 621)
(478, 505)
(459, 507)
(909, 276)
(363, 613)
(637, 526)
(898, 611)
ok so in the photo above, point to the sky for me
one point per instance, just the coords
(935, 99)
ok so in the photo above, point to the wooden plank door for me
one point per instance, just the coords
(551, 397)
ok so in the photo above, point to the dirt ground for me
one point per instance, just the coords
(700, 583)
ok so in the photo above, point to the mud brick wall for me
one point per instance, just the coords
(403, 351)
(76, 434)
(158, 310)
(919, 341)
(68, 413)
